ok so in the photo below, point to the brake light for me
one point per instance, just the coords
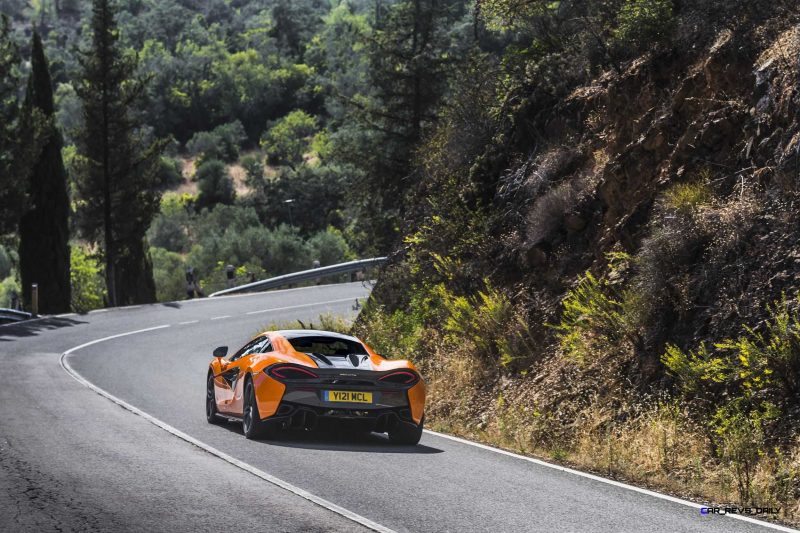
(401, 377)
(290, 372)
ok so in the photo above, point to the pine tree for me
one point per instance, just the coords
(10, 185)
(44, 225)
(117, 182)
(411, 52)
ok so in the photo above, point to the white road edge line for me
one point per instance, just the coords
(220, 317)
(188, 322)
(608, 481)
(340, 300)
(366, 522)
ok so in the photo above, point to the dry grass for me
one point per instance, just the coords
(239, 177)
(652, 442)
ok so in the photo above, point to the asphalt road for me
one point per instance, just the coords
(72, 460)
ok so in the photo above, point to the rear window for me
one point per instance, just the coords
(327, 346)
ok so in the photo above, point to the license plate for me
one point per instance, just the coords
(347, 396)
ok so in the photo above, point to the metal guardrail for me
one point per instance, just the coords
(305, 275)
(13, 315)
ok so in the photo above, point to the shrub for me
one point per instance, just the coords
(168, 229)
(488, 324)
(216, 186)
(223, 142)
(330, 247)
(289, 138)
(169, 274)
(757, 364)
(86, 278)
(318, 195)
(548, 211)
(688, 197)
(7, 286)
(740, 443)
(593, 319)
(643, 22)
(170, 172)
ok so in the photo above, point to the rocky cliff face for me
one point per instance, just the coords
(723, 116)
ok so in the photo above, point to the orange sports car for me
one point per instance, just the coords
(305, 378)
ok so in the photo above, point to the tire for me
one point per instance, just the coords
(212, 414)
(252, 425)
(406, 433)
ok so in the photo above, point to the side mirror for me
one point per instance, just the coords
(222, 351)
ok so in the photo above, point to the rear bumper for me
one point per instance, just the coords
(292, 415)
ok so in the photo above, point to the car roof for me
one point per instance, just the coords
(290, 334)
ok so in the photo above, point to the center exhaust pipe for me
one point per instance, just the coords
(303, 419)
(386, 422)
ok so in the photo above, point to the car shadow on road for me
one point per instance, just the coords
(31, 328)
(338, 441)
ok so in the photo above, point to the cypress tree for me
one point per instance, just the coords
(10, 184)
(44, 225)
(117, 182)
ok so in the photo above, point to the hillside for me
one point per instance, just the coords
(604, 259)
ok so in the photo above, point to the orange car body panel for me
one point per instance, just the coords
(269, 391)
(268, 394)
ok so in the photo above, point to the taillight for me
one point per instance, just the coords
(283, 372)
(401, 378)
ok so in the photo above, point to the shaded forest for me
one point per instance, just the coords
(301, 119)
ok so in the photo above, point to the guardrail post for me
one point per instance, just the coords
(35, 298)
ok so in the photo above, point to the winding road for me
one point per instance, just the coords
(102, 428)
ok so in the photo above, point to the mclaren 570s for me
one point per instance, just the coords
(306, 378)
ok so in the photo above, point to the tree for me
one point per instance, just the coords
(44, 225)
(10, 186)
(289, 138)
(410, 56)
(216, 186)
(118, 178)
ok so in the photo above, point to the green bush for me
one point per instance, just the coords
(169, 275)
(329, 247)
(289, 138)
(86, 277)
(223, 142)
(216, 186)
(757, 364)
(169, 228)
(643, 22)
(593, 319)
(170, 173)
(489, 323)
(231, 234)
(739, 438)
(400, 333)
(7, 286)
(318, 194)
